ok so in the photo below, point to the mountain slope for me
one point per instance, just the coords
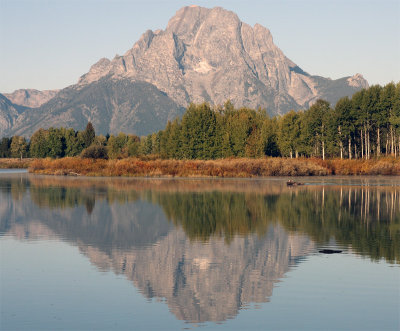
(112, 106)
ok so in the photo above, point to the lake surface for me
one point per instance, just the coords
(170, 254)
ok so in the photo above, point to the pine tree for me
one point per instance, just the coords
(5, 147)
(88, 135)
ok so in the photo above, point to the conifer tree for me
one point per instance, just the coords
(5, 144)
(88, 135)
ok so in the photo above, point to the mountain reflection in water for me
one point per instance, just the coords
(209, 247)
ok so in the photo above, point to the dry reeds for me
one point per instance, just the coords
(14, 163)
(239, 168)
(180, 168)
(383, 166)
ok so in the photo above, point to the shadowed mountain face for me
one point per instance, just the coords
(208, 247)
(202, 55)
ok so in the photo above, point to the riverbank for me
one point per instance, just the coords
(15, 163)
(239, 168)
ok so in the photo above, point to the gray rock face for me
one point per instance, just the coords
(30, 98)
(203, 55)
(209, 54)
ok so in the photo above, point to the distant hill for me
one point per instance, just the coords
(203, 55)
(30, 97)
(111, 105)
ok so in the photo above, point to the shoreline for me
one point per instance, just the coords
(221, 168)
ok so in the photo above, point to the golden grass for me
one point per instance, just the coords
(179, 168)
(12, 163)
(382, 166)
(232, 167)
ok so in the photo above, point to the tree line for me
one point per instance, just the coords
(363, 126)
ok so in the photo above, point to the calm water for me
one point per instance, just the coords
(217, 254)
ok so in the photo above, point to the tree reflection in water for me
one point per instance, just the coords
(367, 217)
(207, 246)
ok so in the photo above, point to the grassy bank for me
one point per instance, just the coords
(215, 168)
(387, 166)
(15, 163)
(179, 168)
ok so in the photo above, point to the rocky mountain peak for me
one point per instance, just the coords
(202, 55)
(187, 21)
(210, 55)
(97, 70)
(263, 33)
(357, 81)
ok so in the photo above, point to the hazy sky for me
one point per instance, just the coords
(49, 44)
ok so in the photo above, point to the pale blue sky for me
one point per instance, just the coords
(48, 44)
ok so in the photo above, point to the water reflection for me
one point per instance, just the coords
(209, 247)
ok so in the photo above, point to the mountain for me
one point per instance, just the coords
(30, 98)
(202, 55)
(9, 113)
(209, 54)
(112, 106)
